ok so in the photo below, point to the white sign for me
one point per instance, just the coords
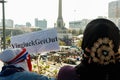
(39, 41)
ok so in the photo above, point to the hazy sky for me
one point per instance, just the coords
(22, 11)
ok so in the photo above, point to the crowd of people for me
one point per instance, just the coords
(100, 57)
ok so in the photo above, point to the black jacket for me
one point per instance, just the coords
(95, 71)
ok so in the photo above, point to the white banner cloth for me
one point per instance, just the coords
(37, 42)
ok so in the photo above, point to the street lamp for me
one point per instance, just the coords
(4, 41)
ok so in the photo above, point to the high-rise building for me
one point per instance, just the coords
(41, 23)
(114, 9)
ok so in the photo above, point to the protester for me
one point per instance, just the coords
(67, 73)
(101, 54)
(17, 65)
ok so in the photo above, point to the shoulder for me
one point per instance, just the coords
(67, 73)
(66, 69)
(101, 71)
(30, 76)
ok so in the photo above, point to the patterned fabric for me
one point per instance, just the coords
(102, 52)
(17, 64)
(18, 57)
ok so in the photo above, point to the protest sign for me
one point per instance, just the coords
(37, 42)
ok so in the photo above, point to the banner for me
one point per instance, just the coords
(37, 42)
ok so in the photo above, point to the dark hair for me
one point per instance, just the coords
(100, 28)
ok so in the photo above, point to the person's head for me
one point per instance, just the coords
(67, 73)
(18, 57)
(101, 40)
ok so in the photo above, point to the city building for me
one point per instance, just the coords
(75, 25)
(41, 23)
(28, 24)
(19, 25)
(114, 12)
(8, 23)
(78, 25)
(116, 21)
(114, 9)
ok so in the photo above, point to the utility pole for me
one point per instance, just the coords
(3, 15)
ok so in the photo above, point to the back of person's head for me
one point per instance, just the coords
(100, 47)
(101, 38)
(100, 28)
(67, 73)
(18, 57)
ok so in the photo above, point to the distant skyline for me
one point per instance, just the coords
(22, 11)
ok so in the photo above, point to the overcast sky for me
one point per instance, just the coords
(22, 11)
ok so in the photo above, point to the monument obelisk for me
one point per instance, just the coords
(60, 23)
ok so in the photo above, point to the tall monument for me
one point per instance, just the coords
(60, 25)
(60, 22)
